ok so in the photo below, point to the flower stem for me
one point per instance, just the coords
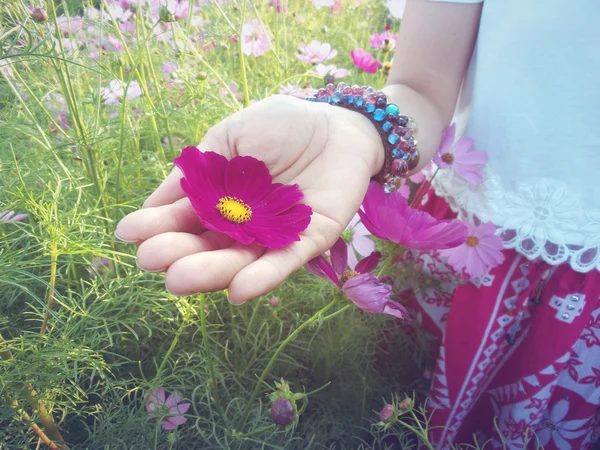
(419, 434)
(281, 347)
(53, 262)
(386, 264)
(182, 325)
(239, 435)
(423, 190)
(211, 365)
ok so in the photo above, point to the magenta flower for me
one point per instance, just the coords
(255, 38)
(169, 411)
(355, 235)
(389, 217)
(315, 52)
(9, 216)
(322, 71)
(238, 198)
(481, 251)
(363, 288)
(465, 163)
(378, 40)
(365, 61)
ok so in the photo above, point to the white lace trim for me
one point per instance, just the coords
(540, 219)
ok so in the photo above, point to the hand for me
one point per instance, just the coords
(330, 152)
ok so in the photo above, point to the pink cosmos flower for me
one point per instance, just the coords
(168, 68)
(481, 251)
(255, 38)
(389, 217)
(378, 40)
(363, 288)
(238, 198)
(465, 163)
(416, 178)
(297, 91)
(176, 9)
(9, 216)
(365, 61)
(115, 91)
(322, 71)
(315, 52)
(69, 24)
(279, 6)
(169, 411)
(98, 266)
(62, 121)
(355, 235)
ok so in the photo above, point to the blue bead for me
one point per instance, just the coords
(379, 115)
(323, 99)
(348, 99)
(398, 154)
(369, 107)
(359, 100)
(312, 99)
(393, 138)
(387, 126)
(336, 97)
(392, 109)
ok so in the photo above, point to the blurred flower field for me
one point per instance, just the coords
(97, 98)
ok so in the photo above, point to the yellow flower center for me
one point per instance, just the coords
(234, 210)
(347, 275)
(448, 158)
(472, 241)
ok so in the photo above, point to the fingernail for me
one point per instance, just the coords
(172, 293)
(127, 241)
(162, 269)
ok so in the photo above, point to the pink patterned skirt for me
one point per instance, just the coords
(519, 362)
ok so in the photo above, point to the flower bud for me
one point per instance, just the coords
(282, 412)
(387, 413)
(202, 76)
(404, 404)
(329, 79)
(165, 15)
(274, 302)
(39, 14)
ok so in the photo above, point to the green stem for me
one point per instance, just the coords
(211, 365)
(282, 346)
(420, 434)
(386, 264)
(182, 325)
(243, 61)
(53, 264)
(236, 434)
(423, 190)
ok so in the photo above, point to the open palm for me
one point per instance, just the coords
(330, 152)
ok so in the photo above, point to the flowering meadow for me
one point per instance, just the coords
(97, 100)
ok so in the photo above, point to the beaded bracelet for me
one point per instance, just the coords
(397, 131)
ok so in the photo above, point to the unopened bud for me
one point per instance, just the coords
(282, 412)
(386, 67)
(329, 79)
(274, 302)
(404, 404)
(39, 14)
(387, 413)
(202, 76)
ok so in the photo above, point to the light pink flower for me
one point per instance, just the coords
(117, 12)
(481, 251)
(9, 216)
(69, 25)
(365, 60)
(297, 91)
(127, 27)
(466, 164)
(62, 121)
(389, 217)
(115, 91)
(315, 52)
(416, 178)
(321, 3)
(363, 288)
(355, 235)
(279, 6)
(170, 411)
(322, 70)
(168, 68)
(255, 38)
(177, 9)
(378, 40)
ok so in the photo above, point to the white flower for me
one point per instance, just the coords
(117, 13)
(115, 90)
(554, 428)
(320, 3)
(356, 237)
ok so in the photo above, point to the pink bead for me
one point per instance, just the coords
(399, 167)
(358, 90)
(330, 89)
(347, 91)
(320, 93)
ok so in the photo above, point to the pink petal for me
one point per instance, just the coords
(6, 215)
(368, 293)
(173, 399)
(158, 395)
(281, 198)
(19, 217)
(248, 179)
(352, 259)
(473, 175)
(204, 172)
(462, 147)
(447, 139)
(179, 409)
(363, 245)
(369, 263)
(171, 423)
(353, 222)
(404, 191)
(339, 256)
(359, 229)
(320, 267)
(280, 230)
(396, 309)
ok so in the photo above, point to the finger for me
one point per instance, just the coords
(209, 271)
(272, 268)
(215, 140)
(148, 222)
(161, 251)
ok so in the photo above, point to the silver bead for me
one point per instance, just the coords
(570, 307)
(565, 316)
(574, 298)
